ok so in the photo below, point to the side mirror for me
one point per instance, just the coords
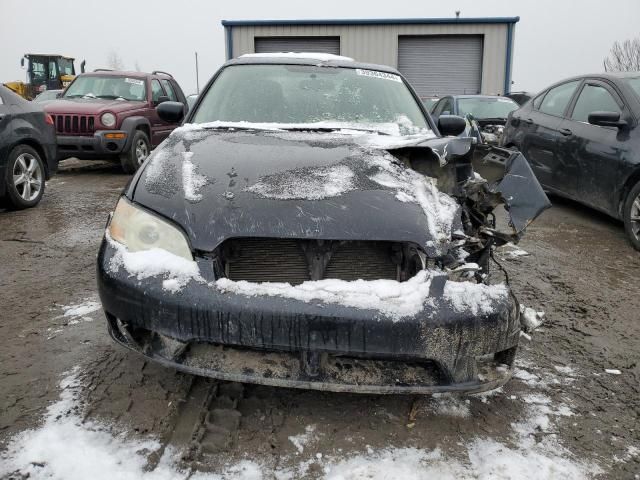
(59, 94)
(82, 64)
(162, 99)
(606, 119)
(451, 125)
(22, 62)
(171, 112)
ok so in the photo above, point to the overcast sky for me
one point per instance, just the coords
(554, 38)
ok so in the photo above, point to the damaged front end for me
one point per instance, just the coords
(481, 177)
(263, 307)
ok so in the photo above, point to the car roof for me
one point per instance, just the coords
(611, 76)
(124, 73)
(303, 58)
(480, 96)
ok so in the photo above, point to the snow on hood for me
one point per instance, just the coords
(293, 184)
(306, 184)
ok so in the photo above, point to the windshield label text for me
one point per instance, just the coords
(376, 74)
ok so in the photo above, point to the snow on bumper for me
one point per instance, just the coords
(287, 342)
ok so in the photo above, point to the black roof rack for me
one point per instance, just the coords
(155, 72)
(103, 70)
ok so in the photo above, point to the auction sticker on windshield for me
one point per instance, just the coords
(376, 74)
(135, 81)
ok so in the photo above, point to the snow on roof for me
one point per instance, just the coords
(323, 57)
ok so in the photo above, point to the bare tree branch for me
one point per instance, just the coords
(114, 60)
(623, 57)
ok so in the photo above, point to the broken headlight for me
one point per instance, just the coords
(138, 230)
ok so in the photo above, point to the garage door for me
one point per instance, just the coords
(297, 44)
(440, 65)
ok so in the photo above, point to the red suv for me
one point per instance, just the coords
(111, 115)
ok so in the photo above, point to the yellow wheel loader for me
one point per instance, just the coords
(44, 72)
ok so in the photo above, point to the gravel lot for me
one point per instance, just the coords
(562, 416)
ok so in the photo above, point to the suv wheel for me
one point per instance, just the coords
(631, 216)
(137, 154)
(24, 178)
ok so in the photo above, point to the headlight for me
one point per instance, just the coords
(108, 119)
(138, 230)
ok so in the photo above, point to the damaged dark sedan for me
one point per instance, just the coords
(310, 226)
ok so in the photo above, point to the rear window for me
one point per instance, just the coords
(634, 83)
(556, 100)
(483, 107)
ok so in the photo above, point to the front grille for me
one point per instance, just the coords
(74, 124)
(295, 261)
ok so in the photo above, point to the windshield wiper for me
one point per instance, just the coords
(334, 129)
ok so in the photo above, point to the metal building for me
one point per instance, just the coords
(437, 55)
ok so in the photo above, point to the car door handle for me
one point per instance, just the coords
(528, 121)
(565, 131)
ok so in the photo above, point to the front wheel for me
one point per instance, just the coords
(24, 178)
(137, 154)
(631, 216)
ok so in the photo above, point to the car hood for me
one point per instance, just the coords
(90, 106)
(223, 184)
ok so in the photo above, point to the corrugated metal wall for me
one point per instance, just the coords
(297, 44)
(379, 43)
(441, 65)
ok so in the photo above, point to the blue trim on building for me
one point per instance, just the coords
(229, 37)
(371, 21)
(507, 67)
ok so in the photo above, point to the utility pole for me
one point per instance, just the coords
(197, 79)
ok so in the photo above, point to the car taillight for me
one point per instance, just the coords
(48, 118)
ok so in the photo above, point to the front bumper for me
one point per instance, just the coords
(97, 146)
(284, 342)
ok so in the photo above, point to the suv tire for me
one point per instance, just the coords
(631, 216)
(137, 154)
(24, 178)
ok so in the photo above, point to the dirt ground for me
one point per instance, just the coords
(579, 269)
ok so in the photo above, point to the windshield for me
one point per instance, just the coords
(120, 88)
(301, 94)
(66, 66)
(486, 107)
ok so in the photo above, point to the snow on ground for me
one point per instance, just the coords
(177, 271)
(82, 309)
(306, 183)
(66, 447)
(530, 318)
(192, 181)
(451, 405)
(301, 440)
(511, 251)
